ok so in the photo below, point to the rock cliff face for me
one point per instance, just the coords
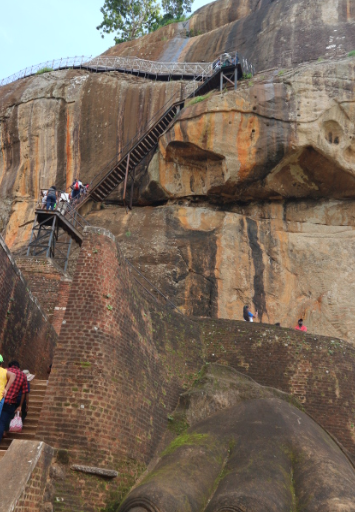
(259, 188)
(61, 125)
(269, 32)
(250, 196)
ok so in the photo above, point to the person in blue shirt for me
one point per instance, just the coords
(248, 315)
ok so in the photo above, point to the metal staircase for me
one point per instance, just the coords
(48, 226)
(146, 140)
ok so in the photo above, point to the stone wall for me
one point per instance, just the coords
(319, 371)
(119, 367)
(25, 332)
(49, 285)
(24, 471)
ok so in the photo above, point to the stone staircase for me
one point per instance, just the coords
(38, 390)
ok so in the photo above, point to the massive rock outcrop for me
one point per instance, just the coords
(258, 188)
(60, 125)
(249, 198)
(269, 32)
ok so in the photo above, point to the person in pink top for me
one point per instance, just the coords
(300, 326)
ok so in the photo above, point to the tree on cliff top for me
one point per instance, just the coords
(176, 9)
(134, 18)
(128, 18)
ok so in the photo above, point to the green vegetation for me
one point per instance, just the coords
(44, 70)
(281, 72)
(129, 471)
(351, 54)
(177, 424)
(198, 99)
(186, 440)
(130, 19)
(85, 364)
(247, 76)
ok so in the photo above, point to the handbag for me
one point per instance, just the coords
(16, 423)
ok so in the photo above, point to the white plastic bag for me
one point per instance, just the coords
(16, 423)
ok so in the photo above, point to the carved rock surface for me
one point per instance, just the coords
(258, 453)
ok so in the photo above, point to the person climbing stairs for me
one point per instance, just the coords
(36, 397)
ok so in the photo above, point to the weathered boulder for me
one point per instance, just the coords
(254, 452)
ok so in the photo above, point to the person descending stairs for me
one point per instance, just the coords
(36, 397)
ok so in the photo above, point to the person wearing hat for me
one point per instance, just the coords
(24, 407)
(10, 407)
(6, 380)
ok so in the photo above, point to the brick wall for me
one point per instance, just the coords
(49, 285)
(25, 333)
(318, 370)
(119, 366)
(24, 475)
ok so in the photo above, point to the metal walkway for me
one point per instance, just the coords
(53, 233)
(154, 70)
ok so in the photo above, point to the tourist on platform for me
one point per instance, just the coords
(76, 189)
(51, 198)
(6, 380)
(24, 408)
(300, 326)
(248, 315)
(10, 406)
(44, 199)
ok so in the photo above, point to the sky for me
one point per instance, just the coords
(43, 30)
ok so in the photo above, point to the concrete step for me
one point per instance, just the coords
(30, 422)
(5, 443)
(22, 435)
(2, 453)
(37, 394)
(35, 402)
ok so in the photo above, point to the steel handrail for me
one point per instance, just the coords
(107, 63)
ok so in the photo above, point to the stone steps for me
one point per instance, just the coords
(38, 390)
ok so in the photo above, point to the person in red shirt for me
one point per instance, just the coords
(300, 326)
(10, 408)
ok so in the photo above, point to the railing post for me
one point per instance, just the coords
(126, 178)
(131, 198)
(235, 78)
(221, 81)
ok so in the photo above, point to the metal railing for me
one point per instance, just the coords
(122, 64)
(126, 65)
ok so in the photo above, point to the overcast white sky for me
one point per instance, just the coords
(38, 31)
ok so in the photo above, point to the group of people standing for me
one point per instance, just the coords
(52, 197)
(14, 393)
(249, 317)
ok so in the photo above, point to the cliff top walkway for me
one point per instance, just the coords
(154, 70)
(53, 232)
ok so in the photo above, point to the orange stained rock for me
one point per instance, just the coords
(247, 136)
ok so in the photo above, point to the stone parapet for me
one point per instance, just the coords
(24, 471)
